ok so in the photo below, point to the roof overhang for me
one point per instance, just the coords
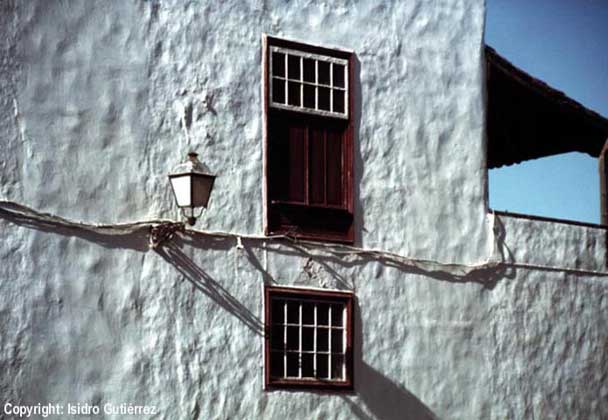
(528, 119)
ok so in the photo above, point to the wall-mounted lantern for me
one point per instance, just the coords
(192, 184)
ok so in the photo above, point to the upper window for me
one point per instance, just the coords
(309, 143)
(308, 339)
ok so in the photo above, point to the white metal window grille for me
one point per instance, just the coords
(310, 83)
(308, 339)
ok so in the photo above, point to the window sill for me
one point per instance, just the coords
(316, 223)
(297, 204)
(309, 385)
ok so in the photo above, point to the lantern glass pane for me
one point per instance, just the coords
(201, 190)
(182, 189)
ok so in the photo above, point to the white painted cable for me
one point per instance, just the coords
(456, 269)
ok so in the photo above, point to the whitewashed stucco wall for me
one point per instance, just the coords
(90, 108)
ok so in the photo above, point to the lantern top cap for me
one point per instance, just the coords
(191, 166)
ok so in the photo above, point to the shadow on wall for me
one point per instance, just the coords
(135, 238)
(383, 398)
(202, 281)
(487, 276)
(358, 159)
(377, 395)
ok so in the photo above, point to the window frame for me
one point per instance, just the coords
(308, 294)
(309, 216)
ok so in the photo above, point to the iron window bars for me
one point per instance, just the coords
(309, 338)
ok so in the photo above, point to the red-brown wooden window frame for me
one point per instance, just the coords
(334, 223)
(303, 294)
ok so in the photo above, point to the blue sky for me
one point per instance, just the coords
(565, 44)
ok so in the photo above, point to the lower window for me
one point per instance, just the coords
(308, 338)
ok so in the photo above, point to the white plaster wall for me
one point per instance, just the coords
(96, 100)
(563, 245)
(89, 127)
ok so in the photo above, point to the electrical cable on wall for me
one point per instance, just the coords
(161, 230)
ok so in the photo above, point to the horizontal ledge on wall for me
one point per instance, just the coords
(549, 219)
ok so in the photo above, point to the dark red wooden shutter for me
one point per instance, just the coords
(335, 167)
(317, 165)
(287, 152)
